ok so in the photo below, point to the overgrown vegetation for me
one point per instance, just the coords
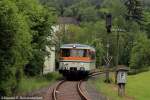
(24, 28)
(25, 31)
(29, 84)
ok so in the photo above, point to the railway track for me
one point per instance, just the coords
(96, 73)
(69, 90)
(92, 74)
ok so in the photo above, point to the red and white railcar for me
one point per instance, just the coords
(76, 59)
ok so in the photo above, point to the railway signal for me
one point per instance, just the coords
(108, 58)
(108, 22)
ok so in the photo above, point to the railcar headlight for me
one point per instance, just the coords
(66, 65)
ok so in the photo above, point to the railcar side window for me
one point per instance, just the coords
(93, 55)
(65, 52)
(85, 53)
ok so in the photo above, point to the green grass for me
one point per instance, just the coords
(109, 90)
(29, 84)
(137, 87)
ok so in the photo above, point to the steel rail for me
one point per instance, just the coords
(54, 94)
(81, 93)
(79, 90)
(99, 72)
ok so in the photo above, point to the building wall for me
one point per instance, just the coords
(49, 65)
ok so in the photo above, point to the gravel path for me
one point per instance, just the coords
(93, 93)
(45, 93)
(91, 89)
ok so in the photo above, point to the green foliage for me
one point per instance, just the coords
(15, 47)
(86, 12)
(147, 22)
(24, 26)
(140, 52)
(29, 84)
(74, 34)
(52, 76)
(135, 10)
(97, 44)
(40, 21)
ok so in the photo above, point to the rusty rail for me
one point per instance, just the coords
(99, 72)
(79, 90)
(56, 88)
(81, 93)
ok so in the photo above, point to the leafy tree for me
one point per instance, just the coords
(40, 21)
(140, 52)
(15, 47)
(97, 44)
(147, 22)
(135, 10)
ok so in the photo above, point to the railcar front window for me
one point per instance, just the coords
(77, 53)
(74, 53)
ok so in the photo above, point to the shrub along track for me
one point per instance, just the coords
(70, 90)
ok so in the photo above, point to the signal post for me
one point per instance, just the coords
(108, 58)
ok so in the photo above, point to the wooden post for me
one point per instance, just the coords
(107, 74)
(121, 79)
(121, 89)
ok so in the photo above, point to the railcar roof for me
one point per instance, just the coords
(77, 46)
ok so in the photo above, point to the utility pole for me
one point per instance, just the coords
(117, 50)
(118, 30)
(117, 54)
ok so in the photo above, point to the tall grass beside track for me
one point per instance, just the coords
(29, 84)
(137, 87)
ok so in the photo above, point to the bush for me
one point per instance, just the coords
(52, 76)
(136, 71)
(140, 53)
(15, 47)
